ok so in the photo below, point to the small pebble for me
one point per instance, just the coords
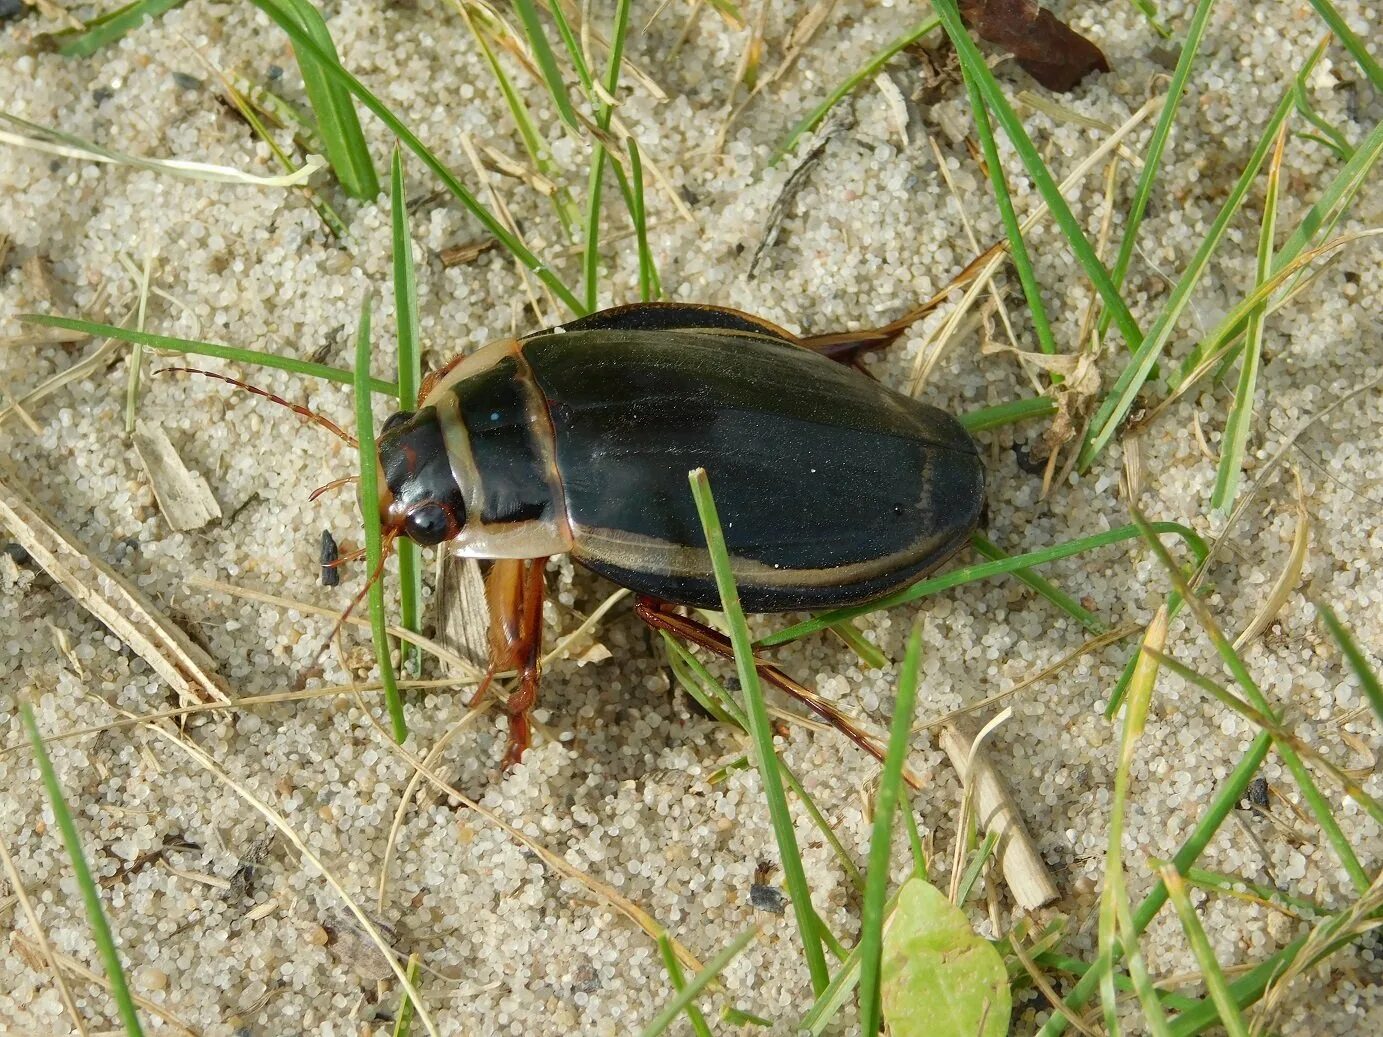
(767, 898)
(331, 573)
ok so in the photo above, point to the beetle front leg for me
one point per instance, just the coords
(515, 590)
(660, 615)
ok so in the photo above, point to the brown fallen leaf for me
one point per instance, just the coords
(1047, 48)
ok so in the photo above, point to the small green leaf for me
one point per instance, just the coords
(939, 978)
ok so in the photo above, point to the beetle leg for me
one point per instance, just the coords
(514, 589)
(846, 346)
(659, 615)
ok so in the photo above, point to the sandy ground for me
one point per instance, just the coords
(230, 929)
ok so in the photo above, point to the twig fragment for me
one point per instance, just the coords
(996, 811)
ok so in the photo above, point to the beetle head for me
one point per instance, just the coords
(418, 495)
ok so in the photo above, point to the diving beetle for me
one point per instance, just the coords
(832, 489)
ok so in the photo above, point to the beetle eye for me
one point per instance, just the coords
(427, 524)
(393, 421)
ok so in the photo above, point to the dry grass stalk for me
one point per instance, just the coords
(70, 964)
(45, 949)
(1024, 870)
(115, 601)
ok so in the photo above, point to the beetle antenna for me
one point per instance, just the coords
(296, 408)
(345, 480)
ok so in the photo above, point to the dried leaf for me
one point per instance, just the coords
(1050, 51)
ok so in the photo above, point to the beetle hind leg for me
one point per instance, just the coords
(515, 590)
(660, 615)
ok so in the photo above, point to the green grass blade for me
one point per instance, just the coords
(369, 511)
(1289, 260)
(410, 378)
(1211, 972)
(831, 1000)
(1114, 897)
(591, 255)
(1157, 143)
(919, 852)
(1001, 414)
(1242, 888)
(1119, 401)
(982, 571)
(977, 69)
(1358, 662)
(713, 697)
(337, 122)
(1315, 801)
(1148, 10)
(482, 26)
(1282, 735)
(1329, 136)
(867, 651)
(1245, 990)
(185, 345)
(789, 856)
(1334, 199)
(1236, 434)
(1351, 41)
(547, 62)
(1017, 247)
(91, 897)
(110, 27)
(986, 547)
(1154, 1011)
(679, 984)
(249, 100)
(335, 71)
(649, 288)
(403, 1019)
(868, 71)
(885, 804)
(1227, 795)
(972, 871)
(574, 51)
(700, 981)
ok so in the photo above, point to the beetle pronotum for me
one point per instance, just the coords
(833, 489)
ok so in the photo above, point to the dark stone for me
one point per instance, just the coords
(331, 574)
(768, 898)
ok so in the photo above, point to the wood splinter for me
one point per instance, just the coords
(996, 811)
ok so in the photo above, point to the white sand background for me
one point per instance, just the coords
(617, 781)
